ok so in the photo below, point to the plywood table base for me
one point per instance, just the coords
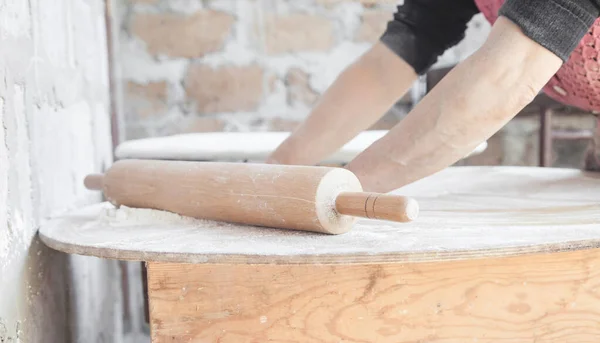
(552, 298)
(498, 255)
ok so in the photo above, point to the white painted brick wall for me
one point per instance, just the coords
(54, 130)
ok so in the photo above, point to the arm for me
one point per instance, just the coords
(469, 105)
(370, 86)
(526, 47)
(356, 100)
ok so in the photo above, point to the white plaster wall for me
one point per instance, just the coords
(54, 114)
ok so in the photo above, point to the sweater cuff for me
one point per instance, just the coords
(557, 25)
(418, 52)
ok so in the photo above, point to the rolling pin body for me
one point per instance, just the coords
(290, 197)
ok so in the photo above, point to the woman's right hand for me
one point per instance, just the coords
(356, 100)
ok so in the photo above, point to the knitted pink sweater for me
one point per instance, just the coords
(577, 83)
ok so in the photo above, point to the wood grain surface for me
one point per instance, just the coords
(465, 213)
(279, 196)
(370, 205)
(549, 298)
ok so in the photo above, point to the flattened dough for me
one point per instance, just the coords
(234, 146)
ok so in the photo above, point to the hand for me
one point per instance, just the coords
(355, 101)
(271, 160)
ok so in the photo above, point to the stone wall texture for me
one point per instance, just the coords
(54, 129)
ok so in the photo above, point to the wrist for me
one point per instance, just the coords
(372, 170)
(287, 153)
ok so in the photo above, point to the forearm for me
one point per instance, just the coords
(355, 101)
(468, 106)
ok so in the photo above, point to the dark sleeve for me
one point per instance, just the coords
(557, 25)
(422, 30)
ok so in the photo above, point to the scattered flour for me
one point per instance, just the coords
(128, 216)
(155, 221)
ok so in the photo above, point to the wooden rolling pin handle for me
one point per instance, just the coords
(94, 182)
(377, 206)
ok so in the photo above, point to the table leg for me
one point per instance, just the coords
(546, 138)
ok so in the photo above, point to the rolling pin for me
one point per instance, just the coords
(319, 199)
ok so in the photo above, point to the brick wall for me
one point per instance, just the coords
(223, 65)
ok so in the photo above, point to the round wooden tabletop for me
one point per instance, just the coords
(235, 146)
(466, 213)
